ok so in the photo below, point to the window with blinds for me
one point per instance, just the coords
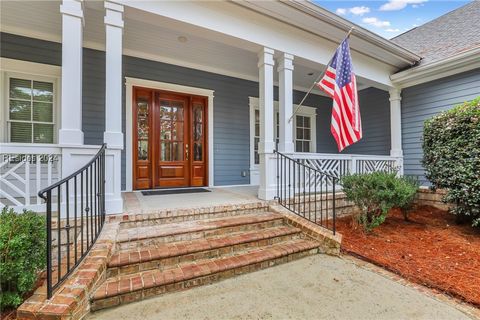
(31, 113)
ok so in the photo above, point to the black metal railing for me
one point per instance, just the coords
(78, 203)
(306, 191)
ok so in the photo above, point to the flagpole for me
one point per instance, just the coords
(314, 83)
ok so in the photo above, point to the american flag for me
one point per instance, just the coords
(339, 82)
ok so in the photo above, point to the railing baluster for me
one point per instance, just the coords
(75, 217)
(278, 177)
(59, 242)
(285, 182)
(334, 206)
(92, 194)
(299, 191)
(87, 209)
(49, 242)
(321, 200)
(309, 193)
(94, 167)
(81, 213)
(67, 224)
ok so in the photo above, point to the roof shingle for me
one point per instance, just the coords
(450, 34)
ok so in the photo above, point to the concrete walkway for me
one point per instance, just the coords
(317, 287)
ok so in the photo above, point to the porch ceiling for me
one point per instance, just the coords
(155, 37)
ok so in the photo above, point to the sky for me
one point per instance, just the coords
(390, 18)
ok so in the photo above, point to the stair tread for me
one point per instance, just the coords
(139, 233)
(172, 249)
(153, 278)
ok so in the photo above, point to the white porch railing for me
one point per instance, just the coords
(25, 170)
(339, 165)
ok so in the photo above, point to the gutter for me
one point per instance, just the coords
(318, 12)
(461, 62)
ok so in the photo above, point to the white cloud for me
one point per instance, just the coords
(392, 30)
(393, 5)
(376, 22)
(359, 11)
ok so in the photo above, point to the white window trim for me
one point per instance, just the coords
(302, 111)
(129, 84)
(11, 68)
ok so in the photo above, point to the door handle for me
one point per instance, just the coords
(186, 151)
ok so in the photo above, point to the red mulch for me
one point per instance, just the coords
(430, 249)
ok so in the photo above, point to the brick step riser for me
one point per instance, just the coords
(170, 262)
(199, 234)
(175, 217)
(182, 285)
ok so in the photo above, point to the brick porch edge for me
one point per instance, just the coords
(329, 243)
(71, 300)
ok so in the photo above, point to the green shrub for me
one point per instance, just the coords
(22, 254)
(376, 193)
(451, 157)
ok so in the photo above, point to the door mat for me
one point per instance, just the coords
(173, 191)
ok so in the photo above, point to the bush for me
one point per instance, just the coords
(451, 157)
(22, 254)
(376, 193)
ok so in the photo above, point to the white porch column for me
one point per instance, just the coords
(395, 123)
(285, 75)
(70, 132)
(266, 144)
(113, 135)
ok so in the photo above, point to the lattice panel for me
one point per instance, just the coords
(333, 167)
(22, 176)
(368, 166)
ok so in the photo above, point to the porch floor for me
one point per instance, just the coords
(136, 202)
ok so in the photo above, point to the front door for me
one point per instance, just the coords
(170, 139)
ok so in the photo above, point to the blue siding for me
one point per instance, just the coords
(231, 110)
(375, 110)
(422, 102)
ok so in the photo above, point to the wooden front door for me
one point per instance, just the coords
(170, 139)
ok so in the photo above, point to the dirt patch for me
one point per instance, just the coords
(430, 249)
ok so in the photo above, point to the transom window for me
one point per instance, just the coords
(31, 116)
(302, 128)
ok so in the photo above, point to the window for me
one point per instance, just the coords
(303, 135)
(303, 128)
(30, 107)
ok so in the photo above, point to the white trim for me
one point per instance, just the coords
(147, 56)
(307, 111)
(129, 84)
(459, 63)
(32, 71)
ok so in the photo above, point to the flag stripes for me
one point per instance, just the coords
(339, 83)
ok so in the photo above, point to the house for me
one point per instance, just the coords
(183, 93)
(447, 75)
(174, 94)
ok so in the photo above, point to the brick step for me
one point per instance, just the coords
(125, 289)
(181, 215)
(188, 230)
(168, 255)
